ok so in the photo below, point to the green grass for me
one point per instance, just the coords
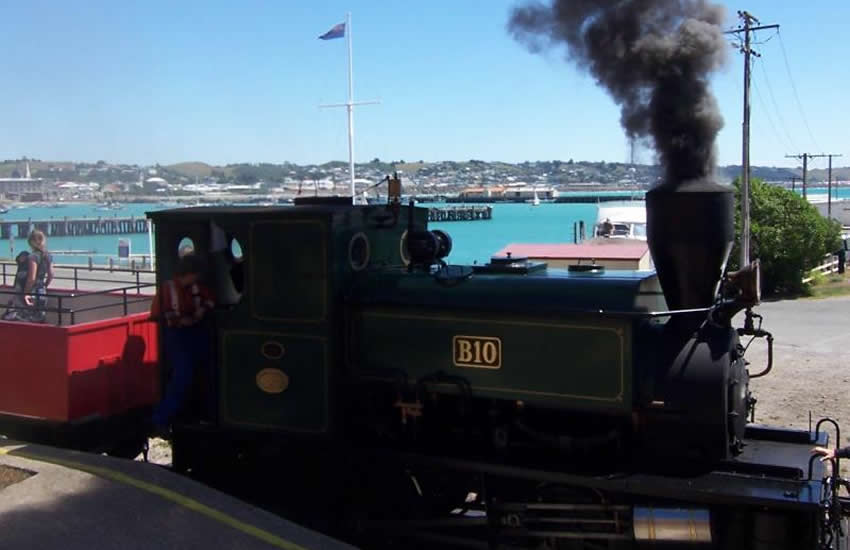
(829, 286)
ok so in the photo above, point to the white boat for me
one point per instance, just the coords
(111, 205)
(621, 220)
(537, 200)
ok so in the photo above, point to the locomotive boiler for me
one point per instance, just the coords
(498, 405)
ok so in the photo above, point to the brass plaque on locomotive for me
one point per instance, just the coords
(479, 352)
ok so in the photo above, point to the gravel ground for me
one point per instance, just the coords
(810, 372)
(10, 475)
(159, 452)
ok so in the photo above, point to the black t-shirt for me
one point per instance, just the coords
(43, 261)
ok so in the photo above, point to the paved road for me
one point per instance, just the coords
(811, 368)
(819, 326)
(98, 280)
(82, 501)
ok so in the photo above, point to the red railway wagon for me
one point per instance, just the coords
(86, 378)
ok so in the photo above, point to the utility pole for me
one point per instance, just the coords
(749, 25)
(829, 186)
(806, 157)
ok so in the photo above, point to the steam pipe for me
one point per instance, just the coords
(759, 333)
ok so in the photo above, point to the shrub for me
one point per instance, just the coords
(787, 235)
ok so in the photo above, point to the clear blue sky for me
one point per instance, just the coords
(219, 81)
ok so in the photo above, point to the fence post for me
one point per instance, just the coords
(76, 280)
(91, 263)
(110, 265)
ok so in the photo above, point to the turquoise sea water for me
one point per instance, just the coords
(100, 246)
(472, 241)
(515, 223)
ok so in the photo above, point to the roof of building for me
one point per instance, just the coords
(566, 251)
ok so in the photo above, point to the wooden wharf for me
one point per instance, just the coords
(62, 227)
(460, 213)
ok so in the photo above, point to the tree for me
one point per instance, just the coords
(787, 235)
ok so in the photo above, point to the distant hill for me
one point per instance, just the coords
(454, 173)
(767, 173)
(38, 168)
(191, 169)
(821, 174)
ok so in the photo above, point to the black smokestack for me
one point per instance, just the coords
(654, 57)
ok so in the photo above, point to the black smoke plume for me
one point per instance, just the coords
(654, 57)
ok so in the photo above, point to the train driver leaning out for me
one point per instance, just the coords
(182, 304)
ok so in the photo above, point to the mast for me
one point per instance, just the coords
(349, 106)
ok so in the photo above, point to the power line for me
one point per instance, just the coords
(794, 88)
(769, 38)
(776, 133)
(776, 106)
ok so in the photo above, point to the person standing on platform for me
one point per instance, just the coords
(182, 305)
(17, 306)
(39, 276)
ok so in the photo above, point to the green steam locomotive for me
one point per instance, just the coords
(392, 397)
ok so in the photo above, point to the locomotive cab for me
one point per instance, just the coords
(276, 275)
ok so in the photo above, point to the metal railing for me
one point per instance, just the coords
(129, 289)
(62, 311)
(9, 269)
(93, 260)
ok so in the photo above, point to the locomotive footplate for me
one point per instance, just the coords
(775, 483)
(771, 471)
(779, 452)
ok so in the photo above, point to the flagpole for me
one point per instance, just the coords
(350, 104)
(350, 107)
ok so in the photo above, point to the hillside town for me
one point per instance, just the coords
(32, 180)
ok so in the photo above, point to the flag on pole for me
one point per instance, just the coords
(338, 31)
